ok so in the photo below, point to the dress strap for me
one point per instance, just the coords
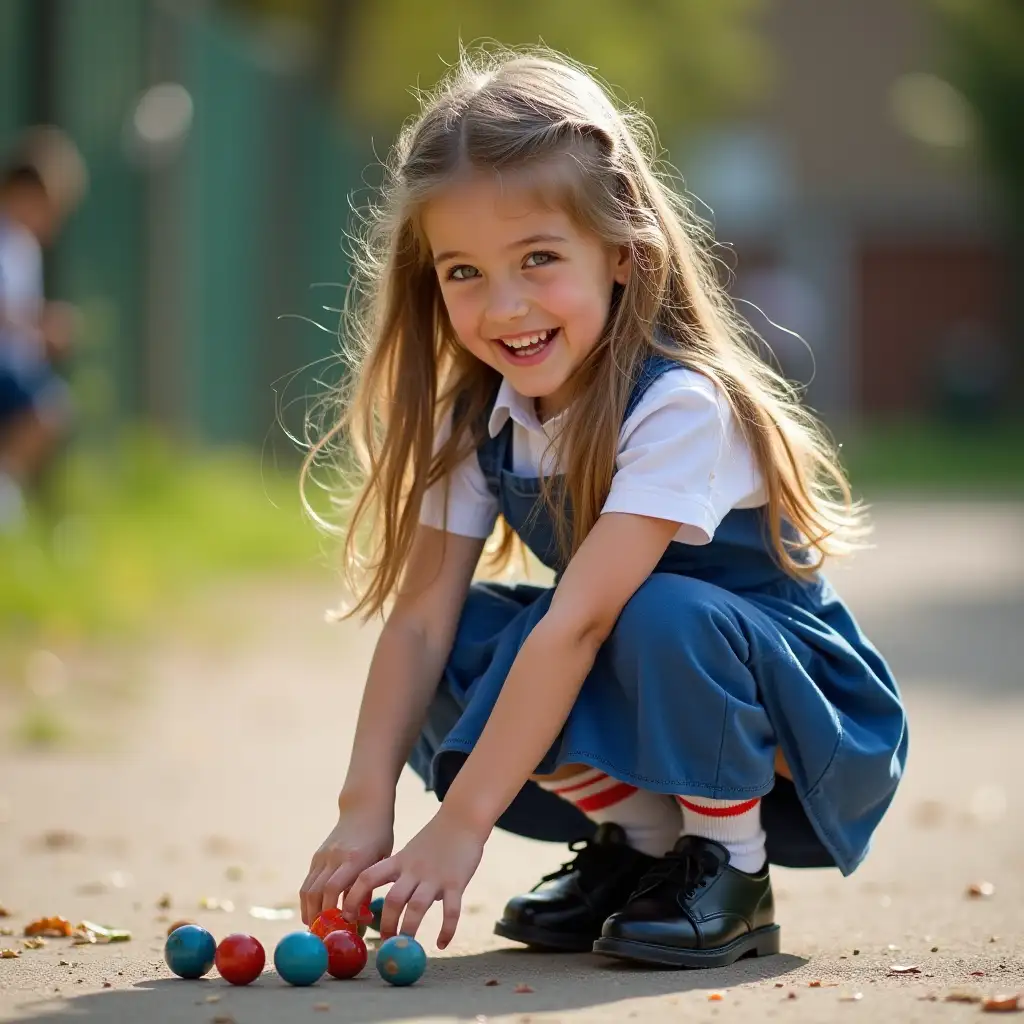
(651, 369)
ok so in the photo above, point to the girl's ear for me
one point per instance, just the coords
(623, 264)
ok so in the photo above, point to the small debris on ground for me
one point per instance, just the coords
(962, 995)
(219, 846)
(213, 903)
(49, 927)
(904, 969)
(522, 988)
(89, 933)
(980, 890)
(1002, 1004)
(928, 814)
(272, 913)
(60, 839)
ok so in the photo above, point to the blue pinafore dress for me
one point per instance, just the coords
(718, 659)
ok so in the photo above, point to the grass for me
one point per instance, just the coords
(921, 458)
(124, 533)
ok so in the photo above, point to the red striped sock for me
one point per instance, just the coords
(736, 824)
(651, 820)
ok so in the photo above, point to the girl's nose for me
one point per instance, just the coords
(506, 304)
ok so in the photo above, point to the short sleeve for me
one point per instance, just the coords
(682, 457)
(471, 508)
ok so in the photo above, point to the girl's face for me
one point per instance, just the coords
(527, 291)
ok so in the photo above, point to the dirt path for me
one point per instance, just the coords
(224, 775)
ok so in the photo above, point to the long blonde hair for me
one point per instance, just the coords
(515, 111)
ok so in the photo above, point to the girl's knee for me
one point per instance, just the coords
(676, 627)
(673, 609)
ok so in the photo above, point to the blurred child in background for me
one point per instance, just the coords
(42, 181)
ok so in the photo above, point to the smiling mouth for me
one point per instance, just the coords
(531, 344)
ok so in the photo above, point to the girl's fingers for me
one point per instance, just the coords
(452, 902)
(365, 882)
(394, 903)
(312, 900)
(338, 883)
(305, 891)
(421, 901)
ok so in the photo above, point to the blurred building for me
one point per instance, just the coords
(858, 213)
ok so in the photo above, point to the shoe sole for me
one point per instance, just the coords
(541, 938)
(762, 942)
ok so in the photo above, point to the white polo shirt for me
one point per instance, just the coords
(681, 457)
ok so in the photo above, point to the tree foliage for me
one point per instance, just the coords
(984, 43)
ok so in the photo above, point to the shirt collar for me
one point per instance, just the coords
(509, 403)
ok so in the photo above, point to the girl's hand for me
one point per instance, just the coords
(436, 864)
(363, 836)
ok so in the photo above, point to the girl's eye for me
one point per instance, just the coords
(461, 272)
(541, 259)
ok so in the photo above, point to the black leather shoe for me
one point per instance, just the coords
(693, 910)
(567, 908)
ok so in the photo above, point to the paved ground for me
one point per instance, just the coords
(219, 782)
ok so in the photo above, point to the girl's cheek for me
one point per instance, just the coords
(566, 297)
(458, 313)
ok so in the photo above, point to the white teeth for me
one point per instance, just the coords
(527, 340)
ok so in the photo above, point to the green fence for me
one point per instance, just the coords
(184, 265)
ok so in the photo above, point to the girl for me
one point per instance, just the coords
(546, 346)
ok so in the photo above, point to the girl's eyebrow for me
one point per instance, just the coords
(451, 254)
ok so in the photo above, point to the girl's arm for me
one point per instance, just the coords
(617, 556)
(407, 664)
(409, 659)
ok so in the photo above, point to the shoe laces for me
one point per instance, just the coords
(590, 859)
(686, 869)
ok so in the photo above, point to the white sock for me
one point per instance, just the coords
(736, 824)
(651, 821)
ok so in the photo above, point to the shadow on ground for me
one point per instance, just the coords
(452, 987)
